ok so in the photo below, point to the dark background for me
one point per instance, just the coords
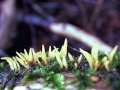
(80, 13)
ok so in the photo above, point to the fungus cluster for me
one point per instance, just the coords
(62, 56)
(94, 61)
(26, 59)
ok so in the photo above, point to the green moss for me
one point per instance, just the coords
(1, 65)
(29, 77)
(2, 88)
(55, 80)
(84, 78)
(10, 88)
(101, 56)
(42, 71)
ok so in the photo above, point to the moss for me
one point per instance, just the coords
(2, 88)
(1, 65)
(29, 77)
(10, 88)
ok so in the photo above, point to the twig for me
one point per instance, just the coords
(69, 30)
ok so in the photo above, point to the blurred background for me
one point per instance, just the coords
(31, 23)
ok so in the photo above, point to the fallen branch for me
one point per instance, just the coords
(69, 30)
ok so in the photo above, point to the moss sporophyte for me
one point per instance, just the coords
(57, 60)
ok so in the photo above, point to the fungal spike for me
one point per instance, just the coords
(43, 55)
(26, 54)
(65, 63)
(21, 56)
(30, 56)
(70, 57)
(17, 65)
(34, 56)
(94, 52)
(49, 52)
(59, 61)
(75, 64)
(25, 64)
(88, 57)
(39, 62)
(10, 61)
(79, 59)
(63, 51)
(106, 63)
(56, 51)
(96, 64)
(110, 56)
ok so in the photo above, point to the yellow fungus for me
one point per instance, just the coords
(94, 53)
(79, 59)
(22, 62)
(110, 56)
(70, 57)
(64, 63)
(43, 55)
(88, 57)
(59, 61)
(9, 60)
(17, 64)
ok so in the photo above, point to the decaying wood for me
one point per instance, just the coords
(7, 23)
(69, 30)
